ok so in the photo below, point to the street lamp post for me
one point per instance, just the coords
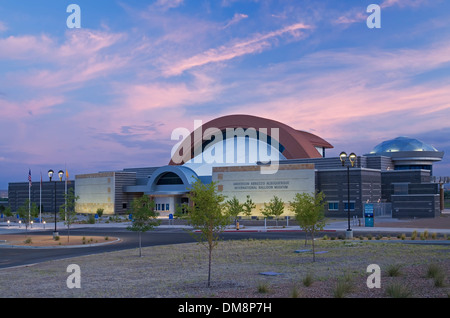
(352, 159)
(50, 175)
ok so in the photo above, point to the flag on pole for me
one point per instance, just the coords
(29, 177)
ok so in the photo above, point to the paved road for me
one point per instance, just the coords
(10, 257)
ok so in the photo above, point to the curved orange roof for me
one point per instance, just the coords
(297, 144)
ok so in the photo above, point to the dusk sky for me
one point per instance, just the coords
(108, 95)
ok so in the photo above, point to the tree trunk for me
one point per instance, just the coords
(209, 266)
(140, 252)
(312, 238)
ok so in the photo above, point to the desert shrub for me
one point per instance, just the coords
(397, 290)
(307, 280)
(263, 288)
(393, 270)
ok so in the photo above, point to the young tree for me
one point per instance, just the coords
(309, 213)
(248, 206)
(144, 217)
(274, 208)
(234, 208)
(27, 212)
(208, 215)
(67, 210)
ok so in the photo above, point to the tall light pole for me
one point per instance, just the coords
(50, 175)
(352, 159)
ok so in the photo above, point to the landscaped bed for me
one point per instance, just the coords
(340, 270)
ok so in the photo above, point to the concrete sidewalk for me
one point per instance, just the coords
(334, 226)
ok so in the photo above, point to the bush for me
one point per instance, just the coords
(397, 290)
(394, 270)
(263, 288)
(343, 286)
(100, 212)
(414, 235)
(307, 280)
(91, 219)
(438, 275)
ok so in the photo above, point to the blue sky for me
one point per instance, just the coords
(108, 95)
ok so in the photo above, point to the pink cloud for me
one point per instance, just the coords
(37, 106)
(253, 45)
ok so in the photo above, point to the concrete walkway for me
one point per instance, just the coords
(334, 226)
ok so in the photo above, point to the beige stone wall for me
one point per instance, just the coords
(96, 190)
(288, 180)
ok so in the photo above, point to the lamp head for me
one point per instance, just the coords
(50, 174)
(343, 156)
(352, 159)
(60, 174)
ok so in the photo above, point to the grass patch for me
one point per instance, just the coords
(263, 288)
(435, 272)
(394, 270)
(398, 290)
(307, 280)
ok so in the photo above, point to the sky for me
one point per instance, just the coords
(108, 95)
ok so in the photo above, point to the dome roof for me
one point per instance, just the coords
(402, 144)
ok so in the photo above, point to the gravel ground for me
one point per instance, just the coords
(181, 271)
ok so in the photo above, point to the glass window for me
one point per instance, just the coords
(167, 207)
(333, 206)
(169, 178)
(352, 206)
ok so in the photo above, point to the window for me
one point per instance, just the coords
(169, 178)
(333, 206)
(167, 207)
(352, 206)
(124, 205)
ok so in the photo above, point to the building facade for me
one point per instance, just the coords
(249, 155)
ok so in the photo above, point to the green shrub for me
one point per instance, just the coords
(342, 288)
(437, 273)
(397, 290)
(294, 292)
(393, 270)
(307, 280)
(439, 280)
(91, 219)
(263, 288)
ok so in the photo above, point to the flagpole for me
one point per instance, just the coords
(29, 195)
(40, 201)
(65, 197)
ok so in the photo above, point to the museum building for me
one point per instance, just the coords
(258, 157)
